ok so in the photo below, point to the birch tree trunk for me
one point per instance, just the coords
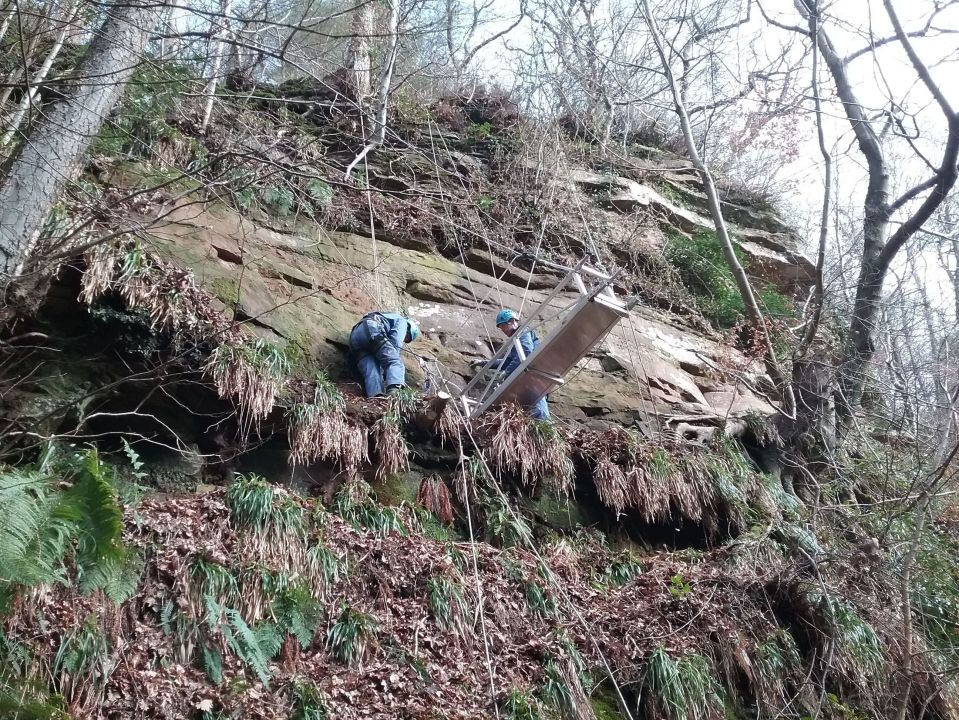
(33, 87)
(5, 23)
(377, 118)
(218, 49)
(26, 58)
(54, 151)
(753, 312)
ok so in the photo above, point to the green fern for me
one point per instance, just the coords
(29, 700)
(92, 504)
(212, 664)
(34, 534)
(41, 526)
(119, 577)
(254, 648)
(246, 644)
(298, 613)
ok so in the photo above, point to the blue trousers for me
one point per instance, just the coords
(540, 410)
(376, 357)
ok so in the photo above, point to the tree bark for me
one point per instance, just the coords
(54, 151)
(33, 89)
(359, 61)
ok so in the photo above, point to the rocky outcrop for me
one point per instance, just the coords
(308, 286)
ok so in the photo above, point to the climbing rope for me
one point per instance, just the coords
(369, 204)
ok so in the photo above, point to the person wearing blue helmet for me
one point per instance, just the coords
(508, 323)
(375, 343)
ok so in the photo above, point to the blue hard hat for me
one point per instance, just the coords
(504, 316)
(414, 329)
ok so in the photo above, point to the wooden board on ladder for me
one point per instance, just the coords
(582, 326)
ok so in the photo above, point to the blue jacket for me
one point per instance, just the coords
(529, 341)
(395, 326)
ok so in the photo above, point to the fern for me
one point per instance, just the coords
(41, 525)
(298, 613)
(212, 664)
(29, 700)
(33, 533)
(92, 504)
(246, 644)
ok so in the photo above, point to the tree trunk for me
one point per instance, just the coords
(753, 312)
(33, 89)
(359, 61)
(5, 24)
(55, 149)
(218, 49)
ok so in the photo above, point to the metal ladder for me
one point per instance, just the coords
(583, 324)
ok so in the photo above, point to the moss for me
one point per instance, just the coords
(226, 290)
(557, 512)
(605, 705)
(398, 488)
(299, 355)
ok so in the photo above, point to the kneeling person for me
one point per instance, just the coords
(376, 342)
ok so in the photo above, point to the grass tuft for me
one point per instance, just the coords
(355, 503)
(272, 519)
(518, 705)
(351, 637)
(448, 605)
(320, 429)
(309, 702)
(683, 689)
(252, 370)
(622, 568)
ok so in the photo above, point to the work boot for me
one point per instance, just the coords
(391, 389)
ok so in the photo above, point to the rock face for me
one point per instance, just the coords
(307, 286)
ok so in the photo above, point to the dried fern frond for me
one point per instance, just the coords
(253, 371)
(649, 485)
(449, 424)
(532, 450)
(101, 267)
(353, 446)
(391, 448)
(319, 429)
(612, 485)
(435, 497)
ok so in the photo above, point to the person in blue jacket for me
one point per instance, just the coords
(376, 342)
(508, 323)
